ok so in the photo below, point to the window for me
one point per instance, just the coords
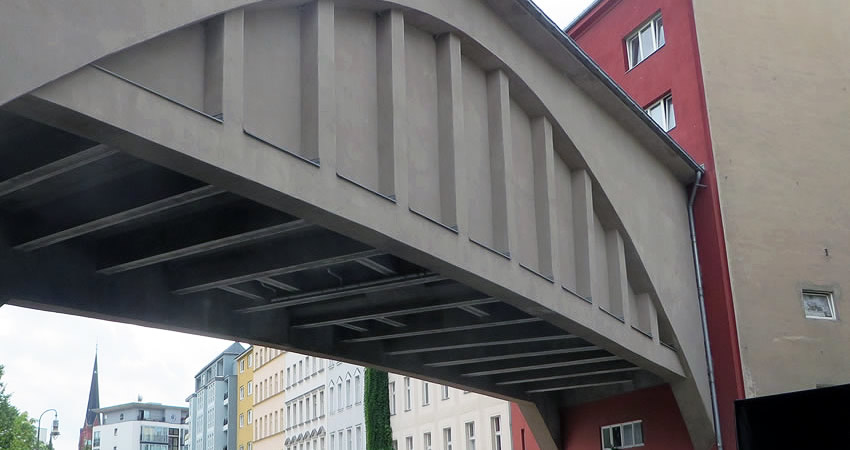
(623, 435)
(333, 442)
(426, 441)
(444, 392)
(339, 398)
(315, 406)
(496, 432)
(250, 387)
(115, 432)
(358, 392)
(426, 393)
(648, 38)
(470, 435)
(358, 438)
(331, 398)
(408, 443)
(241, 420)
(662, 113)
(288, 377)
(121, 416)
(818, 305)
(392, 398)
(395, 444)
(307, 417)
(447, 439)
(322, 403)
(407, 394)
(241, 392)
(350, 442)
(250, 416)
(96, 442)
(241, 366)
(348, 392)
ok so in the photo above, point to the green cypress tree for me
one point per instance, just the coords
(376, 404)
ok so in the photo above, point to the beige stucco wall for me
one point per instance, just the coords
(776, 80)
(244, 399)
(269, 406)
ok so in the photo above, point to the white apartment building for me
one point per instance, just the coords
(306, 418)
(269, 394)
(141, 426)
(346, 423)
(428, 416)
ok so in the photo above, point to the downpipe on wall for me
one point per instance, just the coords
(701, 297)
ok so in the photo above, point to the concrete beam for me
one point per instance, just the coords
(386, 312)
(210, 232)
(55, 168)
(344, 291)
(473, 340)
(269, 260)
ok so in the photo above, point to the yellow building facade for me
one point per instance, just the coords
(245, 400)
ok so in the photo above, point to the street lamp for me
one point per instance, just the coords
(53, 433)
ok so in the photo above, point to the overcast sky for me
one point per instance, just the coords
(48, 357)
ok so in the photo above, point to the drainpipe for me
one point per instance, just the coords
(701, 296)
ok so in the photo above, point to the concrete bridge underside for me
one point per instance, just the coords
(444, 189)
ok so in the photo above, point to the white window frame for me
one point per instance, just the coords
(447, 438)
(426, 441)
(426, 393)
(496, 432)
(392, 397)
(469, 431)
(668, 109)
(408, 394)
(622, 434)
(645, 51)
(444, 394)
(408, 443)
(830, 302)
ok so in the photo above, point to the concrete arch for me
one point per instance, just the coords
(525, 187)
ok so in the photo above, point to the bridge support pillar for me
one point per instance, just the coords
(544, 421)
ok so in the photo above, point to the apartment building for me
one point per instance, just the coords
(306, 418)
(346, 422)
(210, 414)
(245, 400)
(140, 426)
(269, 396)
(428, 416)
(772, 238)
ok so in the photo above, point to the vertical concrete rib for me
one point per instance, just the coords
(450, 115)
(653, 321)
(233, 51)
(618, 284)
(543, 147)
(501, 161)
(318, 107)
(392, 117)
(213, 65)
(583, 228)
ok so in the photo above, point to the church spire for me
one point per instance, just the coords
(92, 418)
(94, 395)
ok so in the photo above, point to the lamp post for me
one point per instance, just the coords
(54, 432)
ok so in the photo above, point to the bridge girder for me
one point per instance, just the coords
(448, 181)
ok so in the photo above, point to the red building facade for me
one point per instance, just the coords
(671, 69)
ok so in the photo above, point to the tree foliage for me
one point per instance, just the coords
(16, 430)
(376, 403)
